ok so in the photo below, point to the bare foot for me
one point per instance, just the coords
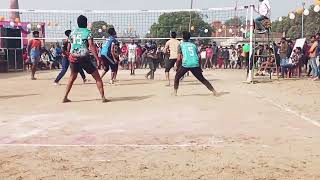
(214, 93)
(104, 100)
(66, 100)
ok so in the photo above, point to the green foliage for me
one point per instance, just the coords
(293, 28)
(236, 21)
(99, 25)
(179, 22)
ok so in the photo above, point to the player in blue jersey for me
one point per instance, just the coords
(109, 55)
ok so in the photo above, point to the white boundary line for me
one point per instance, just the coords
(110, 145)
(287, 109)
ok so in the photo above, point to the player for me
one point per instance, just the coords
(65, 60)
(34, 50)
(132, 55)
(80, 42)
(187, 53)
(109, 55)
(171, 47)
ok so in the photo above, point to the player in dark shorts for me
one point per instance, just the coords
(65, 61)
(80, 41)
(109, 55)
(171, 47)
(188, 54)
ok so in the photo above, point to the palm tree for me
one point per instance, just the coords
(14, 4)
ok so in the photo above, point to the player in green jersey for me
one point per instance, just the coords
(190, 62)
(80, 42)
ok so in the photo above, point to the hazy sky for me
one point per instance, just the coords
(279, 7)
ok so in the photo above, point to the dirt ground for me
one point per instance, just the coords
(269, 130)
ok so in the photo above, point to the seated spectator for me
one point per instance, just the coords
(293, 62)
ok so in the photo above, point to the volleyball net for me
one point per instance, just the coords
(212, 23)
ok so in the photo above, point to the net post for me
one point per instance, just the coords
(251, 58)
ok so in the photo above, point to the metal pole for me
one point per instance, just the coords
(191, 7)
(250, 75)
(302, 23)
(246, 29)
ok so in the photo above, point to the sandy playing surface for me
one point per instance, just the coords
(263, 131)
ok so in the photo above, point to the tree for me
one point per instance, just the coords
(179, 21)
(236, 21)
(102, 26)
(293, 28)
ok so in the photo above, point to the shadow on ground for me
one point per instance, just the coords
(218, 95)
(17, 96)
(119, 99)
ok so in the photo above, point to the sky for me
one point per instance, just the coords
(279, 7)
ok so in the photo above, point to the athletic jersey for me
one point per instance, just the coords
(106, 47)
(190, 55)
(79, 42)
(35, 44)
(132, 50)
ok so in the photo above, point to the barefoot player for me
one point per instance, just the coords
(34, 47)
(109, 55)
(171, 47)
(132, 55)
(81, 40)
(190, 62)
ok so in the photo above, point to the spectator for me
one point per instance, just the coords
(294, 62)
(209, 56)
(203, 56)
(215, 54)
(233, 57)
(226, 58)
(313, 58)
(283, 50)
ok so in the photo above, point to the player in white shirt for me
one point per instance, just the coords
(264, 12)
(132, 54)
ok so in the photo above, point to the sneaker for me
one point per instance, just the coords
(56, 84)
(262, 32)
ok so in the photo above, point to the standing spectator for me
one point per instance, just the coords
(240, 58)
(58, 54)
(283, 50)
(313, 58)
(203, 56)
(226, 58)
(306, 58)
(277, 56)
(139, 55)
(220, 57)
(215, 55)
(233, 57)
(209, 57)
(53, 52)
